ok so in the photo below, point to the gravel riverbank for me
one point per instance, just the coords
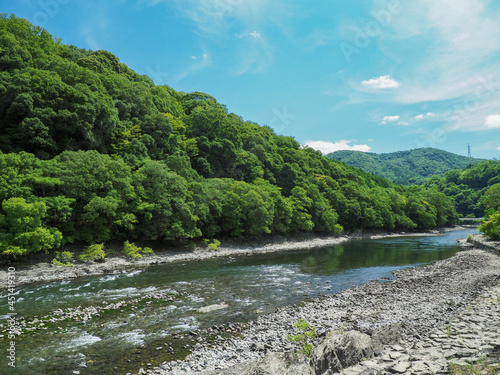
(46, 272)
(411, 308)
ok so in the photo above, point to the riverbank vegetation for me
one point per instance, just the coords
(491, 223)
(92, 152)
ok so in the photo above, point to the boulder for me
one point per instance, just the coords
(207, 309)
(339, 351)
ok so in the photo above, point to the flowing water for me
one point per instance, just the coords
(147, 330)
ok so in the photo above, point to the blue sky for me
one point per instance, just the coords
(378, 76)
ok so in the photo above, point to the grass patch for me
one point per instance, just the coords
(476, 368)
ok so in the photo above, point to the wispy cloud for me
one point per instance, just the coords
(453, 57)
(403, 123)
(328, 147)
(199, 63)
(382, 82)
(215, 16)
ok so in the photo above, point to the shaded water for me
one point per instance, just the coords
(125, 339)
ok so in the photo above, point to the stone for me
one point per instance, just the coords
(270, 364)
(389, 334)
(400, 368)
(395, 355)
(341, 351)
(207, 309)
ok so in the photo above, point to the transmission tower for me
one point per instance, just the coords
(468, 146)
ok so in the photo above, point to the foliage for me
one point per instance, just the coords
(92, 152)
(412, 167)
(475, 368)
(473, 189)
(306, 333)
(93, 253)
(214, 245)
(491, 224)
(133, 251)
(63, 259)
(21, 228)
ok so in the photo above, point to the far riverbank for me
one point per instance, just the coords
(46, 272)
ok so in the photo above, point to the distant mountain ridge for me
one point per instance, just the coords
(411, 167)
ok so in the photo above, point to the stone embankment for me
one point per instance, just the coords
(472, 339)
(426, 320)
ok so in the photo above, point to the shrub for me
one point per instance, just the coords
(63, 259)
(214, 245)
(131, 250)
(491, 225)
(93, 253)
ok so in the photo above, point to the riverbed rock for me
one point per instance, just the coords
(207, 309)
(341, 350)
(388, 334)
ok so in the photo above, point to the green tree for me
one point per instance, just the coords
(166, 210)
(21, 229)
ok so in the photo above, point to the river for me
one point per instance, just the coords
(143, 317)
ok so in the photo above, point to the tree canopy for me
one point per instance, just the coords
(405, 167)
(91, 151)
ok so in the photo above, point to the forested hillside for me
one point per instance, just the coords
(405, 167)
(92, 152)
(467, 187)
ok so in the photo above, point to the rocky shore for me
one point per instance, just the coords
(46, 272)
(426, 321)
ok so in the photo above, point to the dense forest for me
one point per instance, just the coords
(468, 186)
(91, 151)
(405, 167)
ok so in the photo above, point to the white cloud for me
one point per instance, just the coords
(404, 123)
(255, 34)
(328, 147)
(382, 82)
(461, 39)
(481, 117)
(492, 121)
(424, 116)
(387, 119)
(498, 148)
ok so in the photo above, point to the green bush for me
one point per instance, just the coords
(93, 253)
(214, 245)
(491, 225)
(131, 250)
(63, 259)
